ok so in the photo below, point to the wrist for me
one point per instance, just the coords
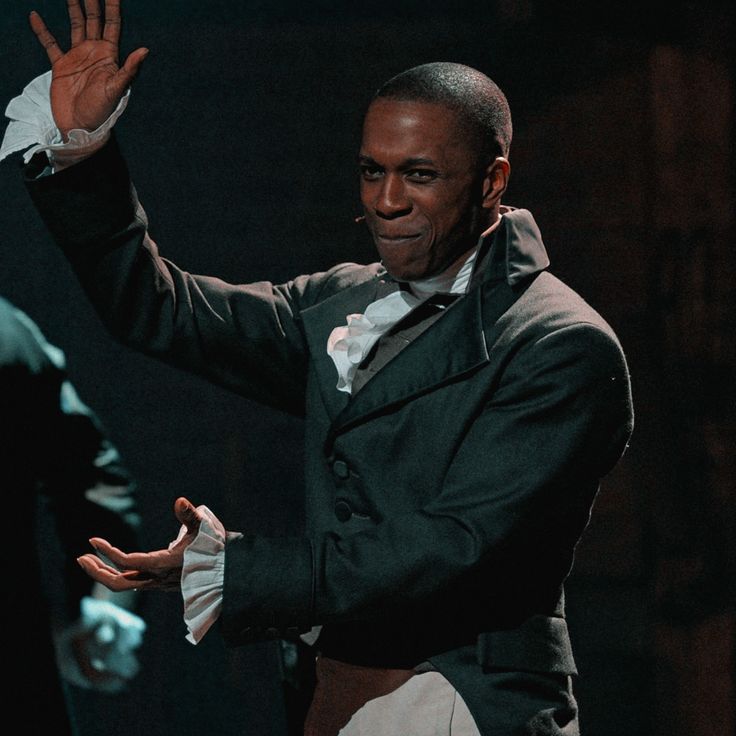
(63, 158)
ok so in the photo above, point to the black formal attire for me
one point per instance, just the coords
(444, 499)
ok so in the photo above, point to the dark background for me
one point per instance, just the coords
(241, 135)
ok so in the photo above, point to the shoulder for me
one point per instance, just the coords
(22, 343)
(318, 287)
(550, 336)
(15, 335)
(548, 306)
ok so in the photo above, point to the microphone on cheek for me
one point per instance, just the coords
(360, 218)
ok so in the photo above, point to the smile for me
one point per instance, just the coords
(397, 239)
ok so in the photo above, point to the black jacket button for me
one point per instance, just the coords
(343, 512)
(340, 469)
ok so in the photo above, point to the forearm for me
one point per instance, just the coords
(244, 337)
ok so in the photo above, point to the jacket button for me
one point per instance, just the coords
(272, 633)
(340, 469)
(343, 512)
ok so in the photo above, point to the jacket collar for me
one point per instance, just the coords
(516, 248)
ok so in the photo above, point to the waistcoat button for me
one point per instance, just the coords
(340, 469)
(343, 512)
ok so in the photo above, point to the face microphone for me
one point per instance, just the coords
(360, 218)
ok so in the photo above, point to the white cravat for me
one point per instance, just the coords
(348, 345)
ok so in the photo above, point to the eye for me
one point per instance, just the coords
(370, 172)
(421, 175)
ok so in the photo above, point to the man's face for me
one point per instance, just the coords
(421, 187)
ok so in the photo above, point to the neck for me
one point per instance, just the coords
(455, 279)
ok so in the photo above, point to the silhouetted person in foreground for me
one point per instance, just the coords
(56, 461)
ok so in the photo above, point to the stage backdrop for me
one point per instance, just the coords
(241, 135)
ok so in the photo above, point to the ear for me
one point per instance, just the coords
(495, 181)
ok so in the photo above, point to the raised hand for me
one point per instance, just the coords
(159, 570)
(87, 82)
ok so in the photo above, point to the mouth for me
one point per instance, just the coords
(396, 238)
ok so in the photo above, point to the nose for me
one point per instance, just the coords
(392, 200)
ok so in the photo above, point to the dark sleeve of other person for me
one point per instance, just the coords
(55, 466)
(53, 448)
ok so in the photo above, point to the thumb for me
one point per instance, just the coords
(127, 73)
(187, 514)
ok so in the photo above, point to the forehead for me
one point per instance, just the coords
(400, 129)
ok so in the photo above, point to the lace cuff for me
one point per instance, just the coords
(203, 574)
(32, 124)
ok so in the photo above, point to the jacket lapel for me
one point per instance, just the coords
(425, 363)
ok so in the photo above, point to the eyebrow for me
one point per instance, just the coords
(406, 164)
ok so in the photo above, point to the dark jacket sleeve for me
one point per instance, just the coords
(246, 338)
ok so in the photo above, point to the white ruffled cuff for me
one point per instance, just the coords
(203, 574)
(32, 124)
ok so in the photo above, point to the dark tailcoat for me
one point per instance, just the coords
(444, 499)
(55, 460)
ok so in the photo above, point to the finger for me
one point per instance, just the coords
(110, 578)
(93, 562)
(127, 73)
(119, 580)
(187, 514)
(90, 561)
(94, 24)
(130, 560)
(94, 565)
(76, 22)
(103, 546)
(112, 21)
(45, 38)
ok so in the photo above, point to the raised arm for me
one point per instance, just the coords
(87, 81)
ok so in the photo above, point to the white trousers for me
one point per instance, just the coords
(425, 705)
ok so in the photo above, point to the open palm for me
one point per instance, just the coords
(87, 81)
(157, 570)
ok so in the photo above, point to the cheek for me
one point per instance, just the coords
(368, 192)
(441, 219)
(443, 208)
(454, 211)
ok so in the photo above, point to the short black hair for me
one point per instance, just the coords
(477, 99)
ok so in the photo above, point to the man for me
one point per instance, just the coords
(461, 406)
(56, 463)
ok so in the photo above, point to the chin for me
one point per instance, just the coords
(403, 272)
